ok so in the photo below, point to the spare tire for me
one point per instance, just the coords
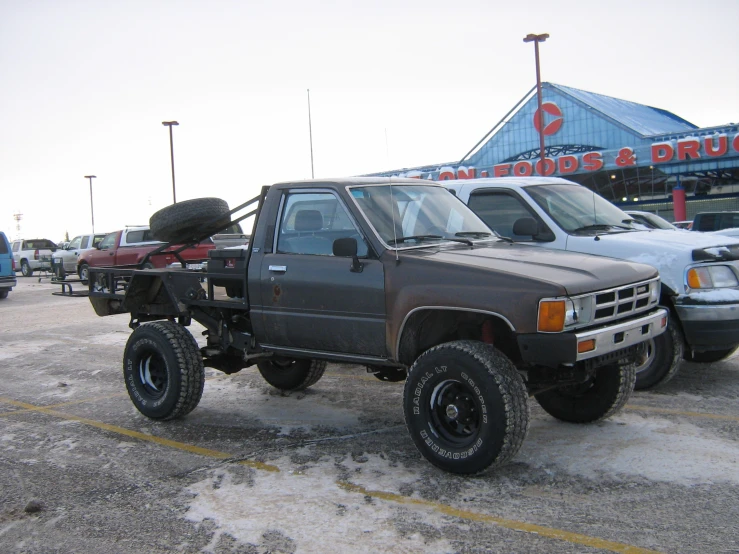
(189, 219)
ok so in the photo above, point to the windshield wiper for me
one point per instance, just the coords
(398, 240)
(473, 234)
(601, 227)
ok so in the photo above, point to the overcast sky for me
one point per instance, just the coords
(85, 86)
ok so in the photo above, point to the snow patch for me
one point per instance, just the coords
(630, 445)
(715, 295)
(301, 502)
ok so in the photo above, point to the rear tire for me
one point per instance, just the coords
(665, 352)
(600, 397)
(3, 294)
(189, 219)
(291, 374)
(466, 406)
(26, 270)
(163, 370)
(709, 356)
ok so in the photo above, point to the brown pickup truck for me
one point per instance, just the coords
(401, 277)
(130, 246)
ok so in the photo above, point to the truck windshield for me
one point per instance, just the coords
(408, 215)
(577, 209)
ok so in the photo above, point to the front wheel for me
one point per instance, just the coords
(26, 270)
(663, 356)
(466, 406)
(163, 370)
(288, 374)
(601, 396)
(709, 356)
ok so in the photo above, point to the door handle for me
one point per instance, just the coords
(280, 268)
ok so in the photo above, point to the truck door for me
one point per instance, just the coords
(104, 255)
(311, 299)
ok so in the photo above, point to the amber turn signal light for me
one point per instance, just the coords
(586, 346)
(551, 316)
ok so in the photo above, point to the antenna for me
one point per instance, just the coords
(392, 211)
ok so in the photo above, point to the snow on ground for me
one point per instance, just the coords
(630, 445)
(625, 448)
(298, 503)
(25, 348)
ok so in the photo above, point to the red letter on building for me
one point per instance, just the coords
(446, 175)
(592, 161)
(549, 167)
(735, 143)
(688, 149)
(501, 170)
(465, 172)
(567, 164)
(723, 145)
(523, 169)
(662, 152)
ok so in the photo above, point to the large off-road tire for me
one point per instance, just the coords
(26, 270)
(466, 406)
(600, 397)
(84, 272)
(163, 370)
(189, 219)
(664, 354)
(291, 374)
(709, 356)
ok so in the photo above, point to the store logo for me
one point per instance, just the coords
(553, 126)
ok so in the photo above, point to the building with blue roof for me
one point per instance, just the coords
(627, 152)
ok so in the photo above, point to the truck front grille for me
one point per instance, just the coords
(623, 301)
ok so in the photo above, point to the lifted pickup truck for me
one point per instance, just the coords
(402, 277)
(699, 271)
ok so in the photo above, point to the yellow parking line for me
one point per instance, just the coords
(138, 435)
(575, 538)
(567, 536)
(637, 407)
(62, 405)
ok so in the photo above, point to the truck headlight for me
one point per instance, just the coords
(711, 277)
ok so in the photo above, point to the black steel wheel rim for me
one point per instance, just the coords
(152, 375)
(455, 412)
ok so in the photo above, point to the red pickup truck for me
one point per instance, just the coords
(129, 246)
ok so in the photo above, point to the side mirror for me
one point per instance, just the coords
(347, 248)
(526, 226)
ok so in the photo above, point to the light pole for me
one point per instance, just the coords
(92, 213)
(171, 153)
(536, 39)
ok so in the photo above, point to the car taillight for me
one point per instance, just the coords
(35, 255)
(13, 262)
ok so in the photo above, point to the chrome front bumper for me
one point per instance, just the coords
(622, 335)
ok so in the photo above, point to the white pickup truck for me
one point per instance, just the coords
(699, 272)
(33, 255)
(65, 259)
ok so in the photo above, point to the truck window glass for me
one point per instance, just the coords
(574, 206)
(108, 241)
(76, 243)
(312, 221)
(500, 211)
(415, 210)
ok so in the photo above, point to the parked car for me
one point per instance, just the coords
(66, 257)
(7, 267)
(231, 236)
(651, 221)
(33, 255)
(699, 272)
(683, 224)
(128, 248)
(715, 221)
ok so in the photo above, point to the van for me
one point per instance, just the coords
(7, 267)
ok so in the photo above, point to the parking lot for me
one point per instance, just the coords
(332, 469)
